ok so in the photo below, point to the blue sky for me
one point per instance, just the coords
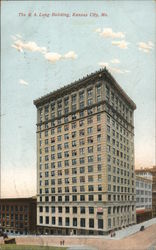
(41, 54)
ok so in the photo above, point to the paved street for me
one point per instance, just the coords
(80, 247)
(145, 240)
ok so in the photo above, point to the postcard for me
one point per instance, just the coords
(51, 51)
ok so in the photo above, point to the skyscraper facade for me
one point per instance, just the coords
(85, 157)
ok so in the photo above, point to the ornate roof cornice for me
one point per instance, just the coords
(84, 82)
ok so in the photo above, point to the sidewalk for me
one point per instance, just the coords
(133, 229)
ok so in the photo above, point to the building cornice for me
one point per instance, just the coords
(18, 199)
(84, 82)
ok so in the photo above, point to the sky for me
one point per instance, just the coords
(48, 44)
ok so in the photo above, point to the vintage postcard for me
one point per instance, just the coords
(78, 124)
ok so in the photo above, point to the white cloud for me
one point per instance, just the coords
(52, 57)
(112, 69)
(30, 46)
(21, 81)
(104, 64)
(145, 47)
(121, 44)
(70, 55)
(116, 61)
(17, 47)
(117, 70)
(109, 33)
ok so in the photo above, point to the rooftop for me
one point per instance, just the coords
(102, 73)
(19, 199)
(146, 170)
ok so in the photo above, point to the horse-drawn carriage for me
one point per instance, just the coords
(7, 240)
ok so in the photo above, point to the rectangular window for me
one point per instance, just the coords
(90, 188)
(47, 219)
(53, 221)
(74, 210)
(60, 221)
(98, 117)
(41, 219)
(74, 222)
(91, 210)
(82, 160)
(74, 198)
(82, 210)
(67, 209)
(91, 223)
(90, 158)
(90, 169)
(90, 120)
(82, 222)
(67, 221)
(90, 197)
(82, 179)
(90, 149)
(100, 223)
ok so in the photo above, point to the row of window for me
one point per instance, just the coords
(73, 171)
(90, 188)
(60, 209)
(81, 132)
(141, 199)
(68, 180)
(70, 100)
(74, 116)
(142, 184)
(74, 142)
(14, 224)
(67, 163)
(113, 127)
(66, 127)
(14, 216)
(143, 192)
(81, 160)
(14, 208)
(90, 197)
(74, 152)
(117, 103)
(114, 119)
(74, 221)
(85, 210)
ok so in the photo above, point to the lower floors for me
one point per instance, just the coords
(44, 230)
(84, 218)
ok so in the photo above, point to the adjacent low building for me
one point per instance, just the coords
(143, 198)
(145, 172)
(18, 215)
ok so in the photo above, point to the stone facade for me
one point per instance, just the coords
(85, 158)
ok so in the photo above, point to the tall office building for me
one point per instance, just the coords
(85, 157)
